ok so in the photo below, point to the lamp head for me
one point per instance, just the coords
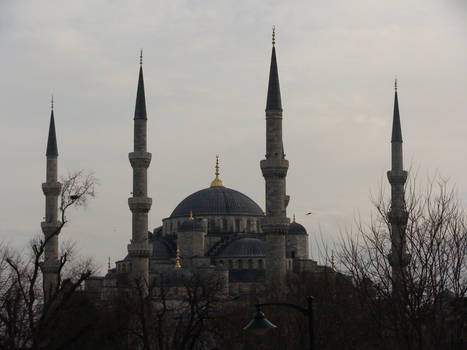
(259, 324)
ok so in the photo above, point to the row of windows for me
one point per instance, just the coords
(235, 225)
(242, 264)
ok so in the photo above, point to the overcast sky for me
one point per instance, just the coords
(206, 66)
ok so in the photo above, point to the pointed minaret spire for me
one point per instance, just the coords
(140, 108)
(275, 224)
(396, 121)
(274, 92)
(397, 176)
(51, 226)
(139, 249)
(52, 150)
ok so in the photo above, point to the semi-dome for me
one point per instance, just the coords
(245, 247)
(217, 200)
(296, 229)
(161, 249)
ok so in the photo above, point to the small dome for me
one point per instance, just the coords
(217, 201)
(245, 247)
(296, 229)
(191, 225)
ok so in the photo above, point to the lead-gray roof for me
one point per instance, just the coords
(217, 201)
(244, 247)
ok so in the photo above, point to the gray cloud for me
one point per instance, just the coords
(206, 67)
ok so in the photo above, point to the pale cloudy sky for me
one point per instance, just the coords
(206, 66)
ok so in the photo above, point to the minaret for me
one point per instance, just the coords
(274, 168)
(397, 177)
(51, 226)
(139, 249)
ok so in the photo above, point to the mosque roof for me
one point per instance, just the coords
(296, 229)
(245, 247)
(217, 201)
(161, 249)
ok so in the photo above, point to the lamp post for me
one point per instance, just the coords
(261, 324)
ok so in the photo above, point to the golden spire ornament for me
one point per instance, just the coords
(108, 263)
(293, 217)
(178, 265)
(217, 182)
(52, 103)
(395, 83)
(141, 58)
(191, 215)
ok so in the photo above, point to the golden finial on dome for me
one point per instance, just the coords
(141, 57)
(178, 265)
(293, 217)
(191, 215)
(52, 103)
(108, 263)
(395, 83)
(217, 182)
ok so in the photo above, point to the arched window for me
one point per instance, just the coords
(250, 263)
(224, 225)
(260, 263)
(240, 264)
(230, 264)
(237, 225)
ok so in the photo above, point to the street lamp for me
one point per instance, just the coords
(260, 324)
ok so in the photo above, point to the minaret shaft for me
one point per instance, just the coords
(398, 215)
(274, 169)
(140, 204)
(51, 225)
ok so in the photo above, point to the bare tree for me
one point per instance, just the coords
(26, 322)
(431, 312)
(182, 312)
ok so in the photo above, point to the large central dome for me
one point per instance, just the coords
(217, 200)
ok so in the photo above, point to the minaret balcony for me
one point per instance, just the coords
(51, 228)
(398, 217)
(396, 177)
(140, 159)
(401, 259)
(140, 204)
(51, 188)
(275, 225)
(141, 250)
(50, 266)
(274, 167)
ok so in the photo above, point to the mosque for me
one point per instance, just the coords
(216, 230)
